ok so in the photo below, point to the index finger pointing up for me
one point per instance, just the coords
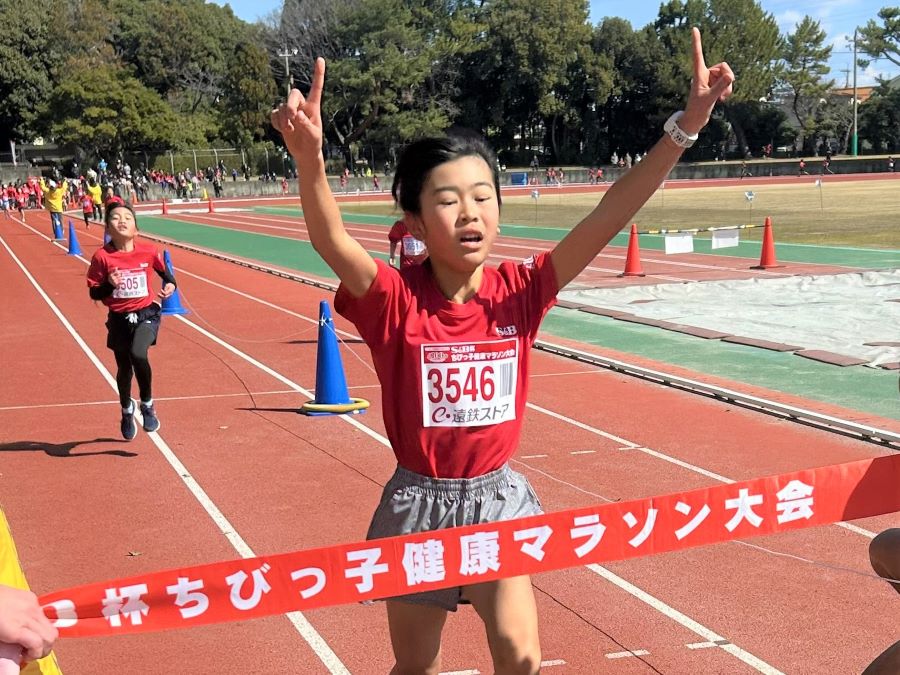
(318, 81)
(699, 61)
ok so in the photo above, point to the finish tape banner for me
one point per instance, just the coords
(248, 588)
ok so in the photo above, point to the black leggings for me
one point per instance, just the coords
(135, 361)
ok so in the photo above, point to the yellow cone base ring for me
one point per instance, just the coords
(356, 405)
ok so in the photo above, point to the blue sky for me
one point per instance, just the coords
(837, 17)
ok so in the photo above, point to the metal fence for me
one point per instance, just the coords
(264, 158)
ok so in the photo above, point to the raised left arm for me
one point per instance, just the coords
(631, 191)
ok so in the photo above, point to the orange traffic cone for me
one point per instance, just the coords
(767, 258)
(165, 210)
(633, 258)
(210, 208)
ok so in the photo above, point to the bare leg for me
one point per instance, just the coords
(416, 637)
(509, 612)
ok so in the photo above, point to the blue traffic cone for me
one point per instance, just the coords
(74, 248)
(172, 304)
(106, 238)
(332, 397)
(57, 230)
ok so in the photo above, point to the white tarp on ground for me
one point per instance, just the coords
(835, 313)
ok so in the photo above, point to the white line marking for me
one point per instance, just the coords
(571, 372)
(553, 662)
(532, 456)
(701, 645)
(628, 445)
(582, 452)
(621, 583)
(684, 620)
(37, 406)
(622, 655)
(618, 581)
(312, 637)
(281, 378)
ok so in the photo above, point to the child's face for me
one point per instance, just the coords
(122, 225)
(459, 214)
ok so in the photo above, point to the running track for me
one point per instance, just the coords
(251, 477)
(603, 271)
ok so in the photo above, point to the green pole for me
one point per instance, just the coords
(854, 142)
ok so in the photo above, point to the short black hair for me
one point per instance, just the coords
(116, 205)
(419, 158)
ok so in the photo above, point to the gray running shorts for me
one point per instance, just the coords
(415, 503)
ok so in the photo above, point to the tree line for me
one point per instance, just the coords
(536, 78)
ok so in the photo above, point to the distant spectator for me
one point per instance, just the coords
(55, 195)
(891, 164)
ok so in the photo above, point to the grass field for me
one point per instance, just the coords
(863, 213)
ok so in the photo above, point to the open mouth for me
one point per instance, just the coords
(473, 238)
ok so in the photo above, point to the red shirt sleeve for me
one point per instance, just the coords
(535, 280)
(158, 263)
(97, 272)
(376, 314)
(397, 231)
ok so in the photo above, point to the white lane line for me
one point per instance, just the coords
(312, 637)
(623, 655)
(78, 404)
(278, 376)
(628, 445)
(686, 621)
(544, 664)
(582, 452)
(707, 645)
(532, 456)
(571, 372)
(618, 581)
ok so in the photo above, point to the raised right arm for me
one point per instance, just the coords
(299, 120)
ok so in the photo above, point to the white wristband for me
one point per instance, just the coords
(681, 138)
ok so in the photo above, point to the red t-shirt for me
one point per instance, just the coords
(87, 204)
(412, 251)
(454, 377)
(135, 291)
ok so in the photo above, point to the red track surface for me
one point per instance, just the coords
(85, 506)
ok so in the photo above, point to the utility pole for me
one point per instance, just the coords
(854, 141)
(287, 67)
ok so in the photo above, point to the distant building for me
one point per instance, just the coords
(862, 93)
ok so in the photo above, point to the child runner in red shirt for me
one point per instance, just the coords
(87, 209)
(412, 251)
(119, 276)
(453, 426)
